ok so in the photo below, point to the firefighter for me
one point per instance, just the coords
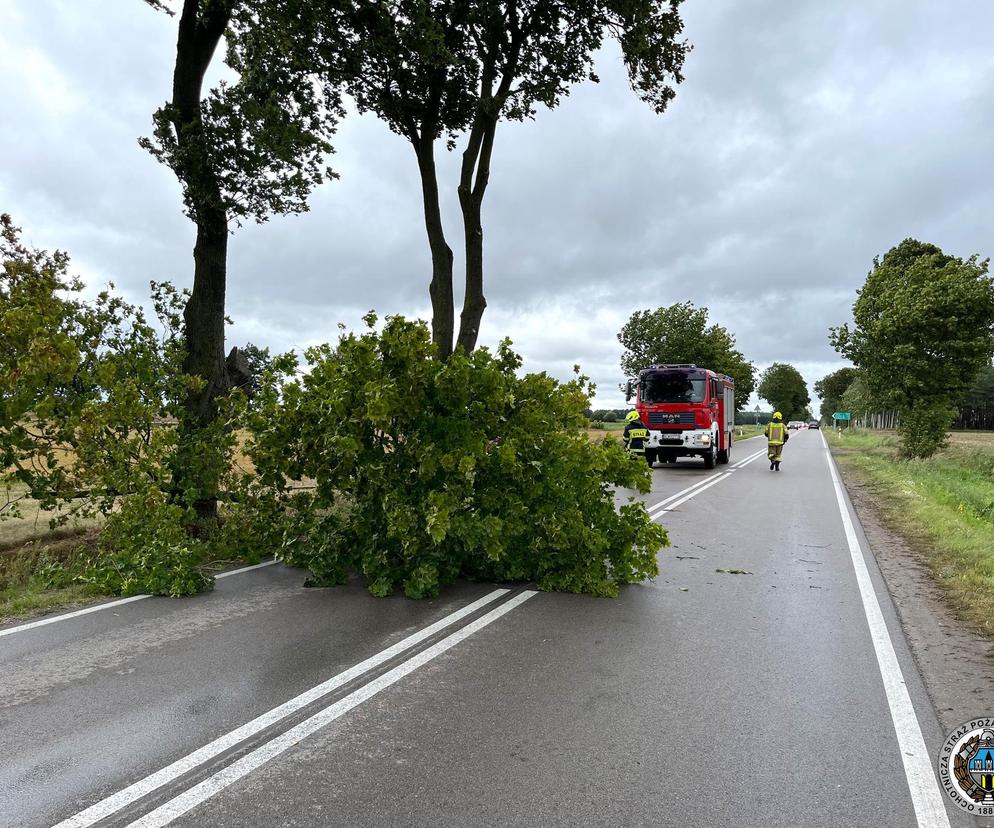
(776, 436)
(636, 435)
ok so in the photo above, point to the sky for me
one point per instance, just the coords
(807, 138)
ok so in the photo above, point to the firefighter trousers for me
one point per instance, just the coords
(774, 451)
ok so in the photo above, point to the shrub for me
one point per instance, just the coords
(427, 470)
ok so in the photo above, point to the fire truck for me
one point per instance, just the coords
(690, 411)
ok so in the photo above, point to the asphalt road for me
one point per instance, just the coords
(704, 698)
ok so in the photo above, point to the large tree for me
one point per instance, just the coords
(450, 69)
(241, 151)
(831, 387)
(680, 333)
(783, 387)
(923, 327)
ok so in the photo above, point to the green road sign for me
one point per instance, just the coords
(841, 415)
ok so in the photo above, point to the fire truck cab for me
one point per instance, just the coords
(690, 411)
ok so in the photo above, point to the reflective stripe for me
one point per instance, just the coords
(638, 433)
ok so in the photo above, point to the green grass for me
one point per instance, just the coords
(36, 576)
(943, 506)
(744, 432)
(600, 426)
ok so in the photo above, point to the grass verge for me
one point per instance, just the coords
(744, 432)
(943, 506)
(37, 576)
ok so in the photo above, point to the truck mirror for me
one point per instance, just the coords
(627, 388)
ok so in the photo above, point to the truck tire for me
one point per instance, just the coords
(724, 455)
(650, 457)
(711, 458)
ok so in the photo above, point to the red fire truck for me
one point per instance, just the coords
(690, 411)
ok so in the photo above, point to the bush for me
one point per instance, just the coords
(427, 470)
(923, 429)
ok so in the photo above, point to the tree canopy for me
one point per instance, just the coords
(434, 69)
(831, 387)
(783, 387)
(680, 333)
(923, 327)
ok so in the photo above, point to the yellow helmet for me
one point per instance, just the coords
(777, 415)
(631, 416)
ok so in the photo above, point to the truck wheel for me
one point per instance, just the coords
(725, 455)
(650, 457)
(710, 459)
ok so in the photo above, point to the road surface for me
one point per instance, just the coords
(784, 696)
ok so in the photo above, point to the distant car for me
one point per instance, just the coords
(814, 424)
(793, 425)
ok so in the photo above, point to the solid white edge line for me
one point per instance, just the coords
(111, 604)
(216, 783)
(67, 615)
(115, 802)
(694, 493)
(244, 569)
(926, 796)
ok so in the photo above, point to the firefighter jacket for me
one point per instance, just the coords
(636, 436)
(776, 433)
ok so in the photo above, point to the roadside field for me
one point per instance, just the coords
(943, 506)
(608, 427)
(744, 432)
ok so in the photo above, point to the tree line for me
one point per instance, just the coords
(921, 343)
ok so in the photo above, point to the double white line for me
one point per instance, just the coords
(672, 502)
(190, 798)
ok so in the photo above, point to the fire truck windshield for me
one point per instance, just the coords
(672, 387)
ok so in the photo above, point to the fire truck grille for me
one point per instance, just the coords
(671, 418)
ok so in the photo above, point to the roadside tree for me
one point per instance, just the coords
(783, 387)
(976, 407)
(441, 69)
(680, 333)
(242, 151)
(831, 387)
(923, 327)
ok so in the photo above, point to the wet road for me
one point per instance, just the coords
(703, 698)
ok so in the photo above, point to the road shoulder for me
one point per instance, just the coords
(956, 663)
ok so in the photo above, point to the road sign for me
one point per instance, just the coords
(841, 415)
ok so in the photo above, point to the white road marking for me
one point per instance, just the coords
(657, 508)
(216, 783)
(748, 459)
(66, 616)
(926, 796)
(694, 493)
(111, 604)
(660, 504)
(243, 569)
(114, 803)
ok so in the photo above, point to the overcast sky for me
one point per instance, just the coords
(807, 138)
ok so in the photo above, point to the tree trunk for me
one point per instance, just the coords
(201, 26)
(440, 289)
(473, 182)
(204, 316)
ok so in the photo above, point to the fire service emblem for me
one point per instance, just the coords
(966, 766)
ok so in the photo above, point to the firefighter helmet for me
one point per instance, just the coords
(631, 416)
(777, 415)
